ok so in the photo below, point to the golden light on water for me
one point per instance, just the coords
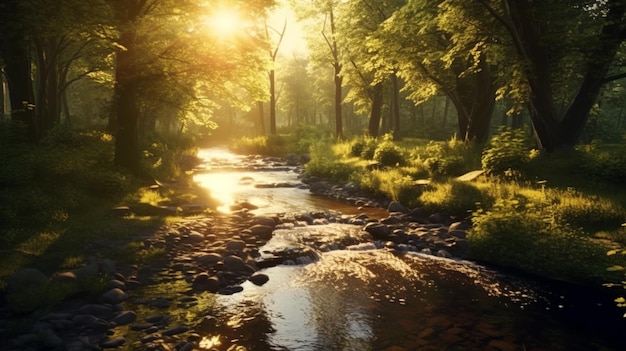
(209, 342)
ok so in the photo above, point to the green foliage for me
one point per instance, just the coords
(392, 183)
(451, 158)
(454, 197)
(508, 153)
(591, 213)
(325, 164)
(527, 236)
(389, 154)
(604, 163)
(364, 148)
(250, 145)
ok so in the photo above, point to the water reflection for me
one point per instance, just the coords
(375, 300)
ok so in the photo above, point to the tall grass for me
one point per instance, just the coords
(530, 211)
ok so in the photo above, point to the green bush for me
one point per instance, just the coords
(388, 154)
(364, 148)
(451, 158)
(527, 237)
(508, 153)
(588, 212)
(604, 163)
(324, 163)
(392, 183)
(454, 197)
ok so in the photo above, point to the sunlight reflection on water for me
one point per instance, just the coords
(371, 299)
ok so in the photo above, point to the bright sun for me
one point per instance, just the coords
(224, 22)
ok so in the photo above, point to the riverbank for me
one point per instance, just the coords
(162, 302)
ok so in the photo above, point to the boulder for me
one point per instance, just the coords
(397, 207)
(259, 279)
(263, 232)
(377, 230)
(234, 264)
(114, 296)
(236, 245)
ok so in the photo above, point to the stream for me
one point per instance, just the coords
(363, 297)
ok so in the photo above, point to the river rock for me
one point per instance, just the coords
(234, 264)
(176, 330)
(259, 279)
(204, 282)
(263, 232)
(462, 226)
(113, 343)
(114, 296)
(125, 317)
(236, 245)
(438, 218)
(397, 207)
(209, 259)
(267, 221)
(377, 230)
(100, 311)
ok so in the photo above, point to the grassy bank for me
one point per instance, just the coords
(57, 199)
(555, 216)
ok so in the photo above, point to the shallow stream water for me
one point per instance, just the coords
(364, 298)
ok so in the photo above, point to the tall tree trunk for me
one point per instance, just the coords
(553, 132)
(338, 99)
(272, 75)
(17, 68)
(127, 112)
(395, 107)
(261, 118)
(474, 100)
(376, 110)
(446, 111)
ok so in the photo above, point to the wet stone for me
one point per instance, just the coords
(124, 318)
(176, 330)
(113, 343)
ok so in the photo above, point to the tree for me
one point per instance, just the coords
(166, 58)
(272, 71)
(559, 51)
(417, 46)
(358, 22)
(329, 51)
(14, 48)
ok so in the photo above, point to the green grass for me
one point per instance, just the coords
(531, 212)
(57, 200)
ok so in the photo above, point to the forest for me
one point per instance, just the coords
(99, 98)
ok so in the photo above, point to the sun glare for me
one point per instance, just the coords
(224, 22)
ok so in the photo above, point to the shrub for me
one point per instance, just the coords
(527, 237)
(508, 153)
(364, 148)
(393, 184)
(454, 197)
(588, 212)
(451, 158)
(389, 154)
(324, 163)
(604, 165)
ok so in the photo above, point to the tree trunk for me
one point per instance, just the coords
(261, 118)
(338, 99)
(127, 112)
(376, 111)
(552, 132)
(17, 68)
(395, 108)
(272, 75)
(474, 100)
